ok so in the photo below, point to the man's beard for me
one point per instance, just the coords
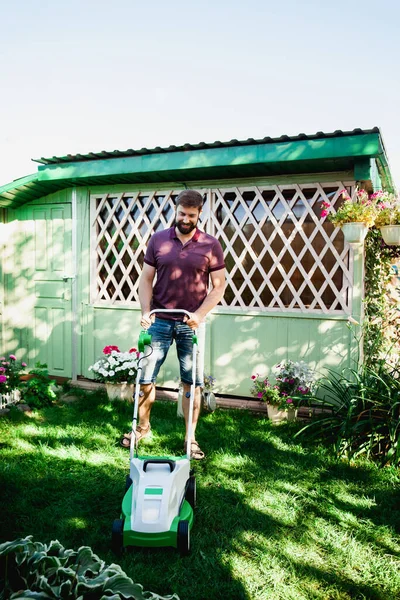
(185, 228)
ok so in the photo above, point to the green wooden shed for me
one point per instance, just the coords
(73, 237)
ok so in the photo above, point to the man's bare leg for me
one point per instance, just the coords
(146, 400)
(196, 408)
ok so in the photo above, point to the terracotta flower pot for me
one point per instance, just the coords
(120, 391)
(277, 415)
(26, 377)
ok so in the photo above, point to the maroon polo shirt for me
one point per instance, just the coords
(182, 270)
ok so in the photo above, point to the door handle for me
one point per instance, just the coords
(66, 277)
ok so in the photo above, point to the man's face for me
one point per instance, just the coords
(186, 218)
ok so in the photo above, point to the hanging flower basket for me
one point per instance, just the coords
(354, 233)
(120, 391)
(391, 234)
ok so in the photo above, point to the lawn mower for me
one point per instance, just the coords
(160, 494)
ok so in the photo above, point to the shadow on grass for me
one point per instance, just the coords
(240, 534)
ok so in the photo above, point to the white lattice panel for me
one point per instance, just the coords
(279, 254)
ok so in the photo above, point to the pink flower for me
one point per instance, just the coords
(259, 395)
(324, 213)
(253, 377)
(3, 378)
(13, 357)
(3, 358)
(289, 400)
(2, 370)
(109, 349)
(325, 204)
(24, 365)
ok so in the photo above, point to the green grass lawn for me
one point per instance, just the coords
(274, 519)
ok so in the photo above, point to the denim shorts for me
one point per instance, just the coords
(163, 333)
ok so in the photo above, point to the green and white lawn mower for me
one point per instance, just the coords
(157, 509)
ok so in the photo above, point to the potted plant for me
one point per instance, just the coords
(209, 399)
(355, 216)
(388, 217)
(118, 371)
(293, 387)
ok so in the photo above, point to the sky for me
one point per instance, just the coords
(93, 75)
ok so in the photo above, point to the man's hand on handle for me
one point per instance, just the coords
(193, 321)
(146, 320)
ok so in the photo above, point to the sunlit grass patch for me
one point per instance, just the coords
(275, 519)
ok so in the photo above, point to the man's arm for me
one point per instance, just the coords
(211, 300)
(146, 293)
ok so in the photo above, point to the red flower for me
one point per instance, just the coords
(132, 350)
(109, 349)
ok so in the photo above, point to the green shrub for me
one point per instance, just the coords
(34, 570)
(38, 392)
(360, 415)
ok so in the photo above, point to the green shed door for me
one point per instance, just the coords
(46, 259)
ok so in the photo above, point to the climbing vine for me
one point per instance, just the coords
(382, 314)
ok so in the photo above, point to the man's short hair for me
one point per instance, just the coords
(190, 199)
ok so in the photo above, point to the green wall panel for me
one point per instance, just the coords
(236, 346)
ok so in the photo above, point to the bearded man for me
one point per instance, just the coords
(183, 269)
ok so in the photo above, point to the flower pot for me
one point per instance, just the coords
(391, 234)
(354, 233)
(209, 401)
(120, 391)
(277, 415)
(27, 377)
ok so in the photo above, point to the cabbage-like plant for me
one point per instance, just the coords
(31, 569)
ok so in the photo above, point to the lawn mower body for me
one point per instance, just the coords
(158, 498)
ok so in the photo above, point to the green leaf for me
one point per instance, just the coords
(87, 561)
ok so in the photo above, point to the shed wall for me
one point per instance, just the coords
(238, 342)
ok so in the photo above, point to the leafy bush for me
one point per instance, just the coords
(361, 411)
(34, 570)
(37, 392)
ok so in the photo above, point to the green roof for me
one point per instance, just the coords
(355, 150)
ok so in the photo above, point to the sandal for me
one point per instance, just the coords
(195, 451)
(141, 432)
